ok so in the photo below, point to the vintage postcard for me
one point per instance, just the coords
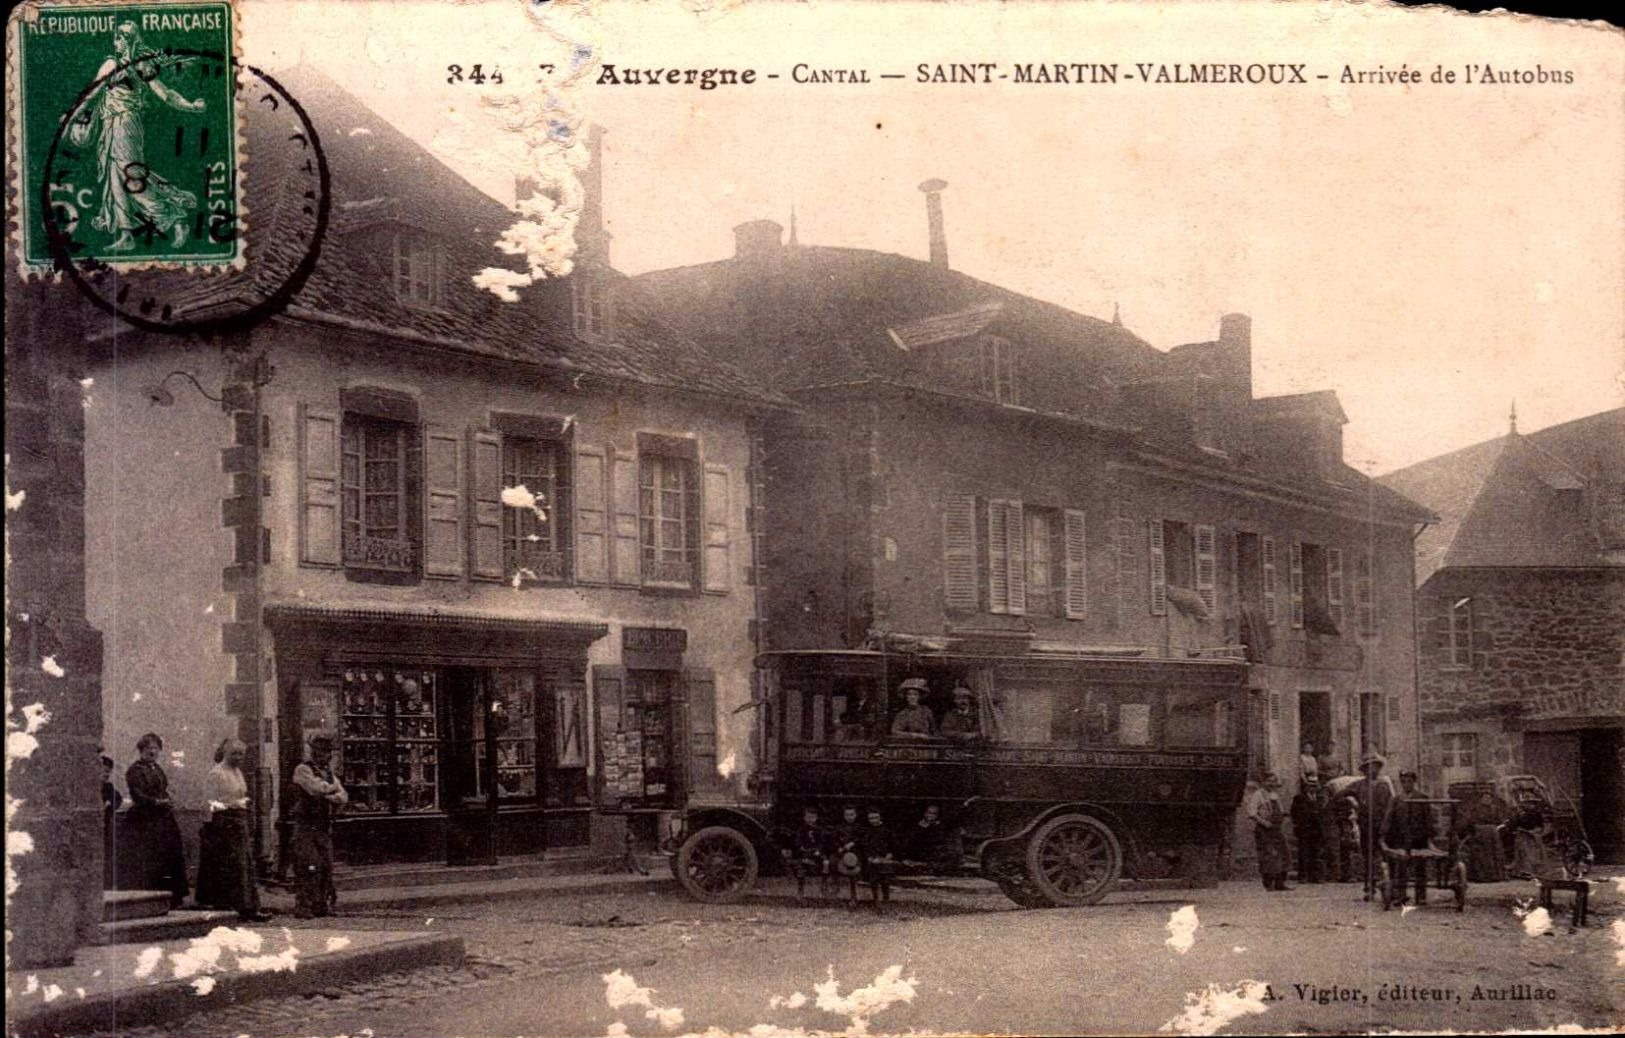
(758, 517)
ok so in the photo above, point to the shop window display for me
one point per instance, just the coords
(389, 747)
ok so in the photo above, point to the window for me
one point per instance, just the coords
(1044, 580)
(513, 727)
(1183, 568)
(999, 369)
(377, 483)
(1201, 718)
(1365, 604)
(1455, 641)
(1373, 737)
(1458, 750)
(668, 524)
(1317, 583)
(589, 301)
(420, 268)
(1030, 559)
(1117, 716)
(389, 749)
(533, 539)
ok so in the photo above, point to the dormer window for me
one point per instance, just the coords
(999, 370)
(420, 268)
(589, 300)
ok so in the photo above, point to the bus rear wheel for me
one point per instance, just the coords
(1073, 860)
(717, 864)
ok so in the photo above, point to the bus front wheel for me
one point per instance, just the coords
(1073, 860)
(717, 864)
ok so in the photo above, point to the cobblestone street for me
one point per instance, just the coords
(535, 967)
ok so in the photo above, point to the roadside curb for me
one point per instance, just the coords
(360, 902)
(115, 1011)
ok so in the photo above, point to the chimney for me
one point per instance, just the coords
(590, 231)
(933, 215)
(757, 239)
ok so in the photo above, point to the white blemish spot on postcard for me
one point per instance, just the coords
(15, 501)
(52, 992)
(887, 989)
(1182, 927)
(148, 960)
(1211, 1009)
(203, 985)
(32, 985)
(50, 666)
(1537, 923)
(337, 942)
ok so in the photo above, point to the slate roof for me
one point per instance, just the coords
(1546, 499)
(381, 178)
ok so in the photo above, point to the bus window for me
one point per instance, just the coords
(1118, 716)
(1026, 712)
(854, 709)
(1200, 717)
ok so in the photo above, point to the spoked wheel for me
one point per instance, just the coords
(1073, 860)
(717, 864)
(1006, 868)
(1458, 877)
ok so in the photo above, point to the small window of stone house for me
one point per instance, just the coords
(419, 268)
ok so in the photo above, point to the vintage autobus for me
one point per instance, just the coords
(1058, 774)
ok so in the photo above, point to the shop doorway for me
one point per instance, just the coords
(1315, 721)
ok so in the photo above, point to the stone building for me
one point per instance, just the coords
(498, 549)
(970, 465)
(1521, 591)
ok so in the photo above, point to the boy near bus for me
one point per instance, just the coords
(875, 853)
(809, 852)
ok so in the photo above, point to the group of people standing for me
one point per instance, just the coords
(144, 851)
(1338, 825)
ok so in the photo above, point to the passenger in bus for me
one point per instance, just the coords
(876, 857)
(914, 720)
(961, 722)
(857, 721)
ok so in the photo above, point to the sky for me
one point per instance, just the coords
(1433, 252)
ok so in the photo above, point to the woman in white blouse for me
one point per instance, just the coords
(225, 875)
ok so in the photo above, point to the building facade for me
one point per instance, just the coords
(497, 549)
(1521, 589)
(970, 466)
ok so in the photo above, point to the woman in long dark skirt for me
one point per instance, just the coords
(225, 867)
(150, 852)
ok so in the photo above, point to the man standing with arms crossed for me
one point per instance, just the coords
(316, 792)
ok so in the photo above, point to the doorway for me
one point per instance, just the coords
(1315, 721)
(1602, 780)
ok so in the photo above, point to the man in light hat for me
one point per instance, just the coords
(961, 722)
(315, 794)
(914, 720)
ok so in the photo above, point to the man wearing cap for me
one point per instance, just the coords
(1410, 828)
(914, 720)
(1373, 795)
(315, 794)
(961, 722)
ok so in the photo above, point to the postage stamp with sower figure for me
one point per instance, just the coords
(123, 136)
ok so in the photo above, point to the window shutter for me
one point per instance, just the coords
(1296, 554)
(1364, 604)
(443, 545)
(959, 553)
(1077, 565)
(718, 552)
(1158, 569)
(485, 531)
(700, 688)
(1015, 526)
(1334, 585)
(626, 564)
(1128, 561)
(592, 548)
(1207, 566)
(319, 542)
(1267, 552)
(998, 559)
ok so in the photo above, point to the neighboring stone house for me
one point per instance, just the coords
(975, 467)
(1521, 590)
(553, 667)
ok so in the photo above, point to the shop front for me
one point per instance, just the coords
(459, 738)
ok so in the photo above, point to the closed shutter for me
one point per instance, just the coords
(1207, 566)
(1006, 558)
(1077, 565)
(1158, 568)
(485, 531)
(443, 545)
(1015, 525)
(1334, 585)
(609, 713)
(700, 691)
(959, 553)
(718, 553)
(1364, 604)
(625, 562)
(592, 543)
(1267, 553)
(1296, 553)
(319, 542)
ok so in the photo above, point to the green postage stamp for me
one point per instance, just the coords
(122, 135)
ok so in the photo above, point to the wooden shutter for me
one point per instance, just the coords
(1364, 605)
(1015, 525)
(1158, 568)
(1075, 546)
(700, 693)
(1207, 566)
(485, 481)
(1296, 590)
(592, 544)
(319, 540)
(1006, 558)
(1334, 585)
(718, 553)
(959, 553)
(443, 544)
(626, 563)
(1267, 555)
